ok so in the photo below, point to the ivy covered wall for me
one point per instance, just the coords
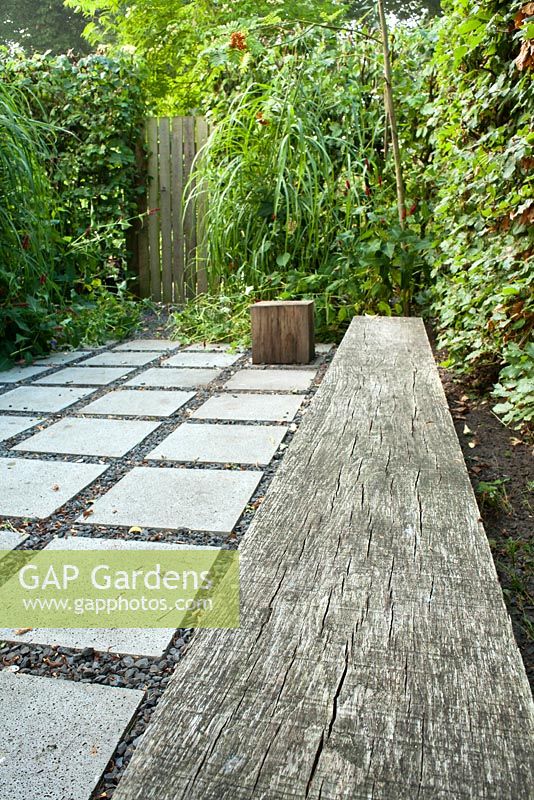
(482, 179)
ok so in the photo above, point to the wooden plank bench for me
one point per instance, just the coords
(376, 658)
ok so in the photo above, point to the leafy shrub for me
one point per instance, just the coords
(301, 193)
(222, 316)
(96, 107)
(93, 321)
(171, 36)
(70, 211)
(516, 385)
(482, 224)
(27, 241)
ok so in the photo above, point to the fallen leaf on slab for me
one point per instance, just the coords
(88, 512)
(22, 631)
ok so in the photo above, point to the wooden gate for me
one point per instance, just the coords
(170, 261)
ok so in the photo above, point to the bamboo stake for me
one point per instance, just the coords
(386, 126)
(401, 203)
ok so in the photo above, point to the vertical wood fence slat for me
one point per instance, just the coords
(189, 216)
(201, 253)
(177, 206)
(137, 237)
(165, 209)
(153, 219)
(170, 255)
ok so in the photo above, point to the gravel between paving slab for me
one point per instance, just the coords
(135, 672)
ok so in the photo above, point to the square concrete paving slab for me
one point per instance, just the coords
(250, 407)
(86, 376)
(133, 641)
(46, 399)
(34, 488)
(179, 378)
(89, 437)
(221, 444)
(197, 499)
(10, 426)
(139, 403)
(272, 380)
(124, 359)
(205, 359)
(214, 348)
(58, 359)
(9, 540)
(58, 736)
(156, 345)
(18, 374)
(312, 365)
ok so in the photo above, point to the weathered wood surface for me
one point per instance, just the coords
(283, 332)
(168, 265)
(376, 658)
(178, 253)
(153, 220)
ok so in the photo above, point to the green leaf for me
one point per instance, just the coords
(459, 52)
(508, 291)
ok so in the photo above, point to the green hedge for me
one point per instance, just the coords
(484, 210)
(92, 112)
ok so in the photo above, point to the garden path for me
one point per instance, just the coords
(110, 449)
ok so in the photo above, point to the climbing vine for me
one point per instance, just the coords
(481, 176)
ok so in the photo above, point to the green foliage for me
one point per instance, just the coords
(402, 9)
(96, 108)
(493, 493)
(516, 385)
(27, 240)
(96, 318)
(223, 316)
(170, 37)
(481, 175)
(69, 180)
(302, 198)
(41, 25)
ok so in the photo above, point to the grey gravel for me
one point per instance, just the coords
(87, 666)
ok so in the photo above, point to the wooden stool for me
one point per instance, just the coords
(283, 332)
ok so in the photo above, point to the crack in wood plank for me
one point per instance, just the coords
(375, 658)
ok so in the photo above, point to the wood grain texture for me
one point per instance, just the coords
(376, 658)
(202, 201)
(169, 259)
(165, 192)
(137, 236)
(283, 332)
(178, 253)
(190, 232)
(153, 200)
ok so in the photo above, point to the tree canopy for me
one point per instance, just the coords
(171, 36)
(41, 25)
